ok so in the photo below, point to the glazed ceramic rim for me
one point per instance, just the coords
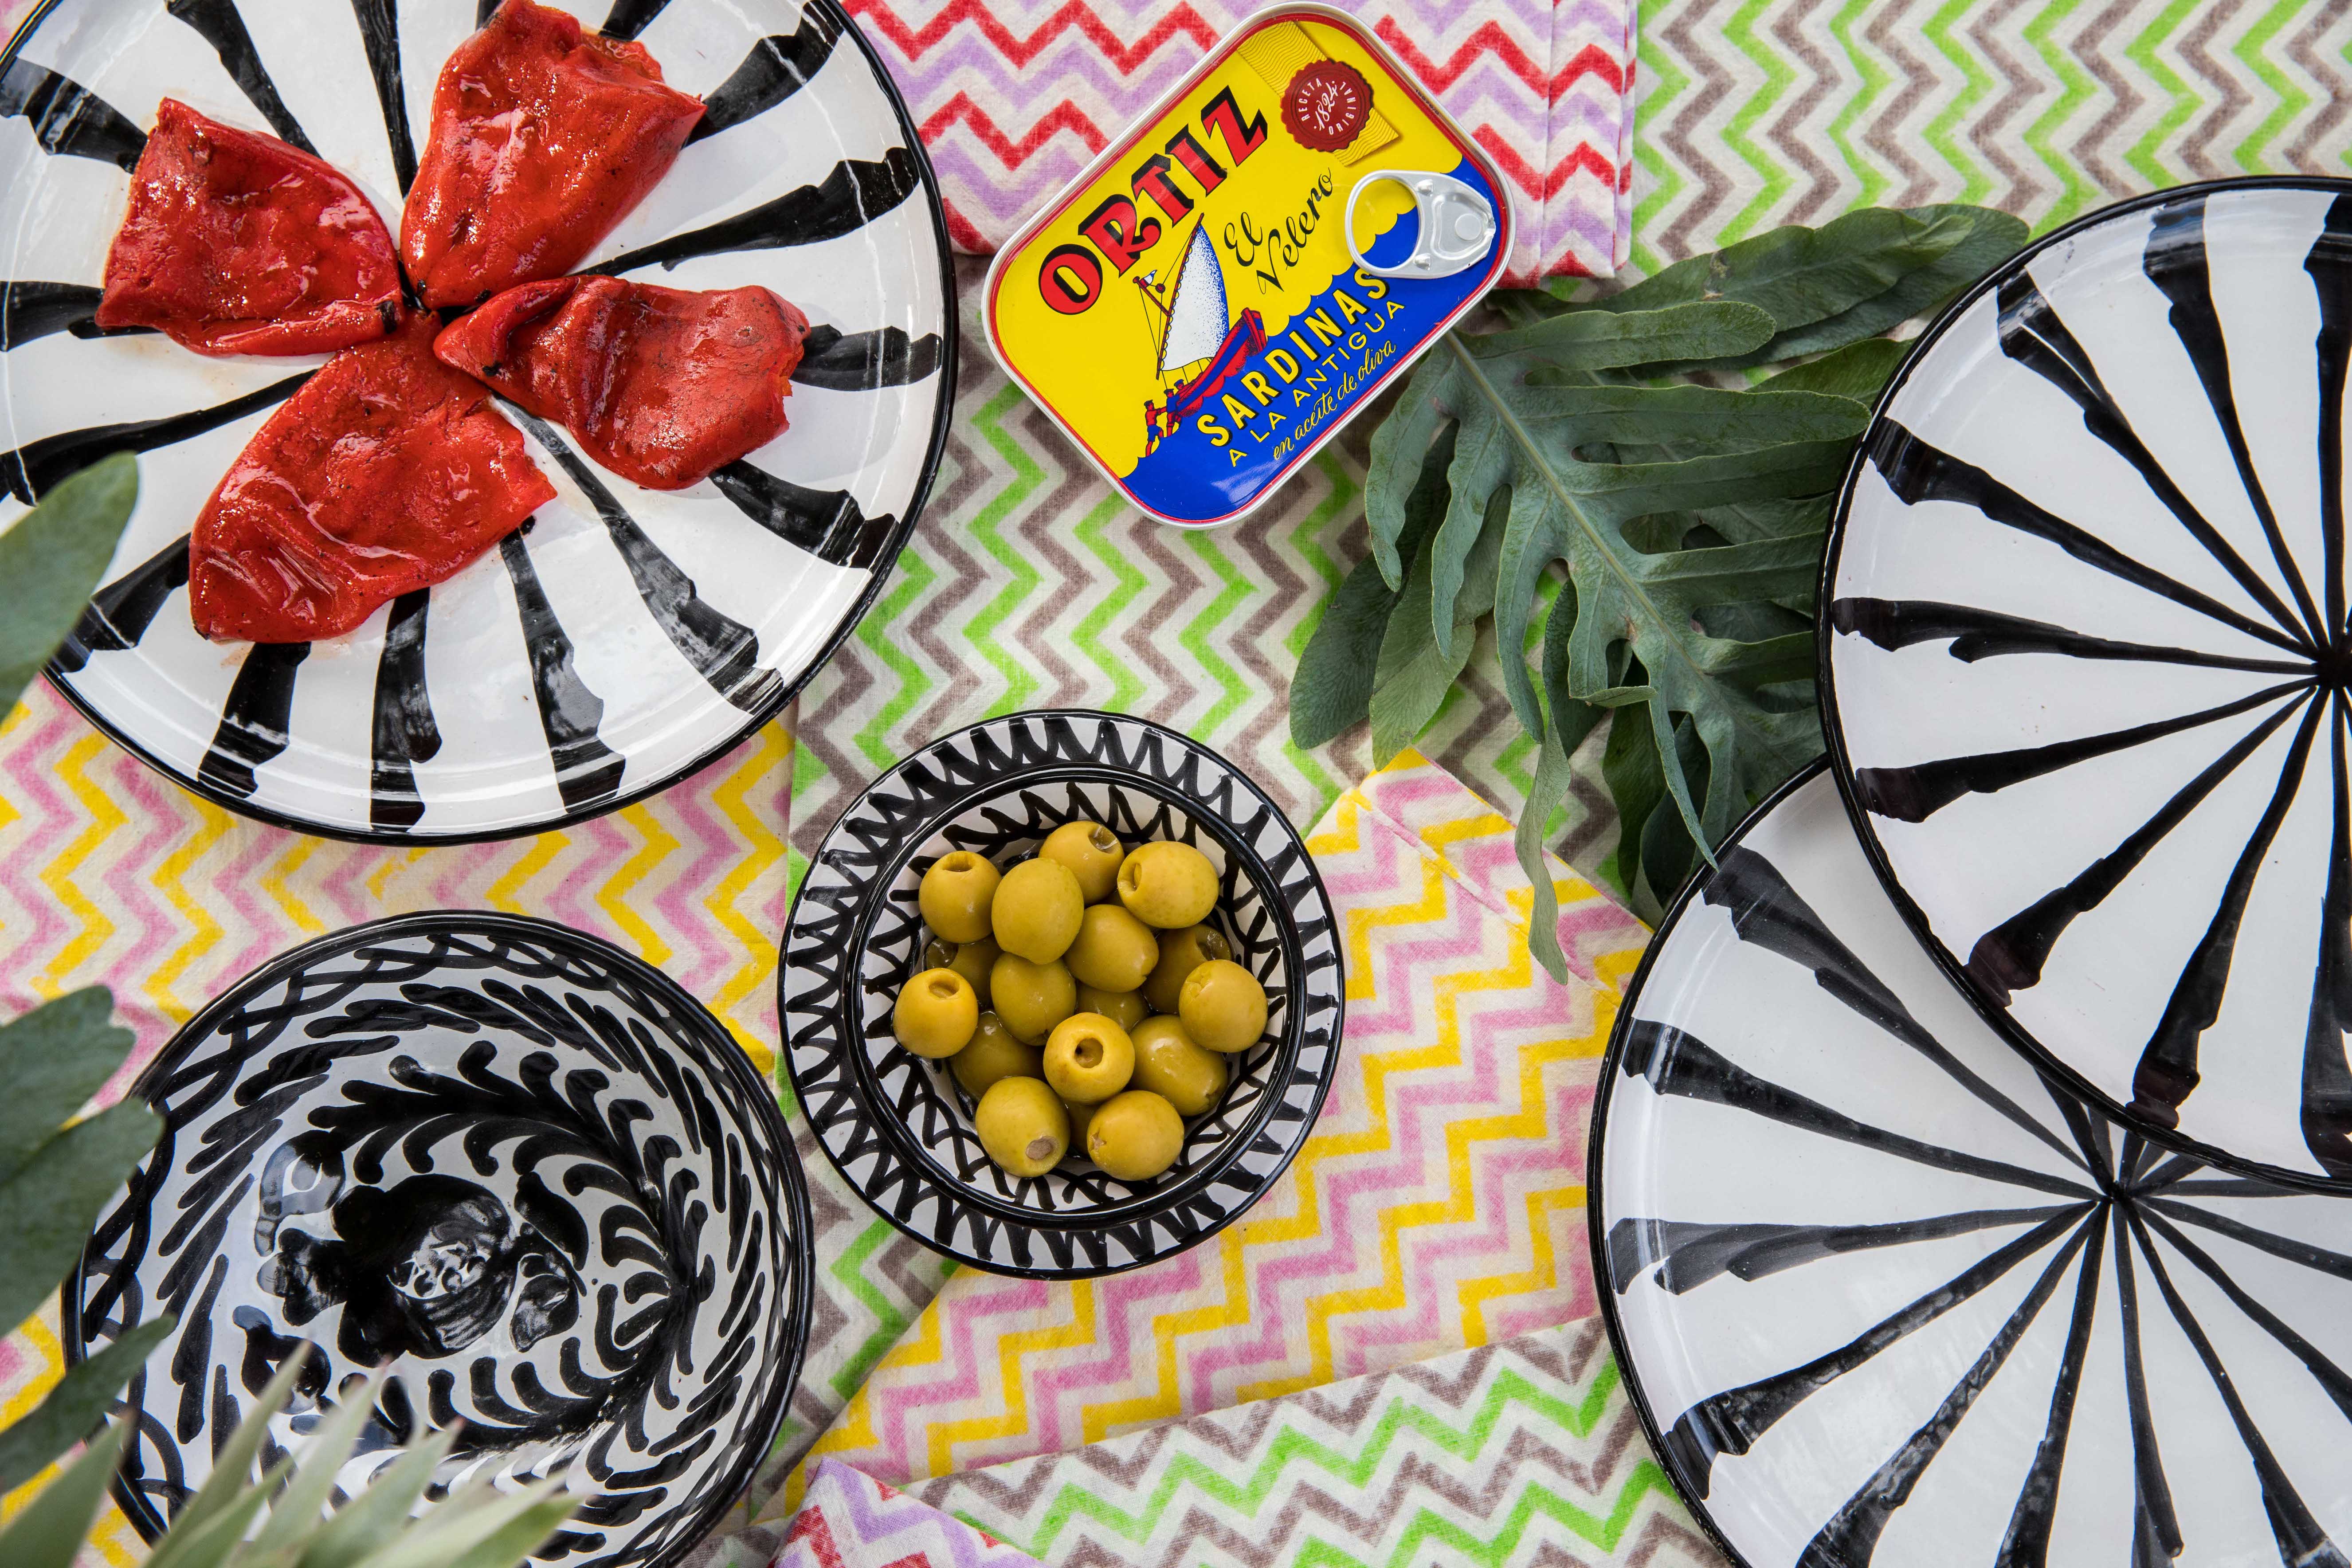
(857, 1074)
(1840, 763)
(799, 1314)
(788, 690)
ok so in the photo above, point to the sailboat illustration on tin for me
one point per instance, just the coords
(1201, 341)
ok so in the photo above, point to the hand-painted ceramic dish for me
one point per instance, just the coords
(2086, 663)
(1883, 1294)
(899, 1128)
(627, 635)
(524, 1169)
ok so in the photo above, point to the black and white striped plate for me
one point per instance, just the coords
(2085, 662)
(629, 635)
(1883, 1295)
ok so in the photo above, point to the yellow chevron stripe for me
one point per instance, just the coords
(105, 816)
(204, 931)
(274, 882)
(854, 1427)
(765, 848)
(941, 1441)
(1166, 1401)
(501, 894)
(613, 897)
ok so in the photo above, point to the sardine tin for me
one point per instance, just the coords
(1187, 310)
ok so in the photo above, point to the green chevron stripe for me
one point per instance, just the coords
(1873, 79)
(2144, 157)
(1093, 634)
(2252, 51)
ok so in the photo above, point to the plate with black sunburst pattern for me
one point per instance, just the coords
(1886, 1295)
(623, 636)
(2087, 663)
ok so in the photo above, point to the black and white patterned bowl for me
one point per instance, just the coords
(523, 1169)
(899, 1128)
(1884, 1295)
(626, 636)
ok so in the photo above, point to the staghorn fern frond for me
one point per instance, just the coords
(285, 1521)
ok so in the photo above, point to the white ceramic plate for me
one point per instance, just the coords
(629, 635)
(2084, 662)
(1884, 1296)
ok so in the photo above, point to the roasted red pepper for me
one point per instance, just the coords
(387, 471)
(661, 385)
(238, 244)
(543, 138)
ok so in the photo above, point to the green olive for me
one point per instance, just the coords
(1088, 1058)
(1167, 884)
(1136, 1136)
(1037, 911)
(1171, 1066)
(1091, 851)
(1125, 1008)
(956, 895)
(1180, 953)
(1081, 1117)
(936, 1013)
(972, 960)
(994, 1054)
(1031, 997)
(1113, 951)
(1022, 1126)
(1222, 1006)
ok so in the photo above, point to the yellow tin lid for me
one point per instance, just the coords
(1192, 309)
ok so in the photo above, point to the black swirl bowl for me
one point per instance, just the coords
(899, 1129)
(523, 1169)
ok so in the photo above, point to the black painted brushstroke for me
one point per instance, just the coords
(2171, 1171)
(586, 770)
(33, 468)
(826, 523)
(2009, 958)
(2166, 1073)
(1851, 1534)
(379, 23)
(2156, 1526)
(2301, 1541)
(66, 118)
(1918, 472)
(219, 23)
(860, 362)
(2229, 1187)
(1687, 1254)
(1680, 1064)
(723, 650)
(1731, 1421)
(483, 11)
(1765, 910)
(34, 310)
(1918, 791)
(850, 197)
(405, 732)
(2323, 1371)
(2175, 261)
(1987, 634)
(630, 17)
(2301, 1254)
(119, 615)
(2033, 333)
(254, 721)
(2330, 266)
(2026, 1544)
(776, 68)
(2326, 1113)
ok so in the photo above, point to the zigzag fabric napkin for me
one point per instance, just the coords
(1013, 97)
(1438, 1205)
(1524, 1452)
(851, 1521)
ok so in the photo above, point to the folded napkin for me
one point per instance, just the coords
(1013, 98)
(1526, 1451)
(850, 1520)
(1439, 1203)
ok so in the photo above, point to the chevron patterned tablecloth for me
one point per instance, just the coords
(1028, 583)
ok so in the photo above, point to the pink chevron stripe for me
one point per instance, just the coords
(29, 780)
(1123, 1300)
(962, 1363)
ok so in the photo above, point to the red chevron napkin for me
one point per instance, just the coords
(1013, 98)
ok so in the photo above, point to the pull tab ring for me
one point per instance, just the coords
(1457, 224)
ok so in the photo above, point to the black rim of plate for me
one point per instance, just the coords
(884, 563)
(722, 1049)
(1833, 730)
(849, 1095)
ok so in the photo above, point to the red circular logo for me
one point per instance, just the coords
(1327, 105)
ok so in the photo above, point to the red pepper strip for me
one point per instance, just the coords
(543, 139)
(660, 385)
(238, 244)
(387, 471)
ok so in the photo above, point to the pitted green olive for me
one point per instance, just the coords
(1167, 884)
(1037, 911)
(993, 1054)
(936, 1013)
(1113, 951)
(1180, 953)
(1032, 998)
(1125, 1008)
(1222, 1006)
(1171, 1066)
(972, 960)
(1088, 1058)
(956, 895)
(1022, 1126)
(1136, 1136)
(1091, 851)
